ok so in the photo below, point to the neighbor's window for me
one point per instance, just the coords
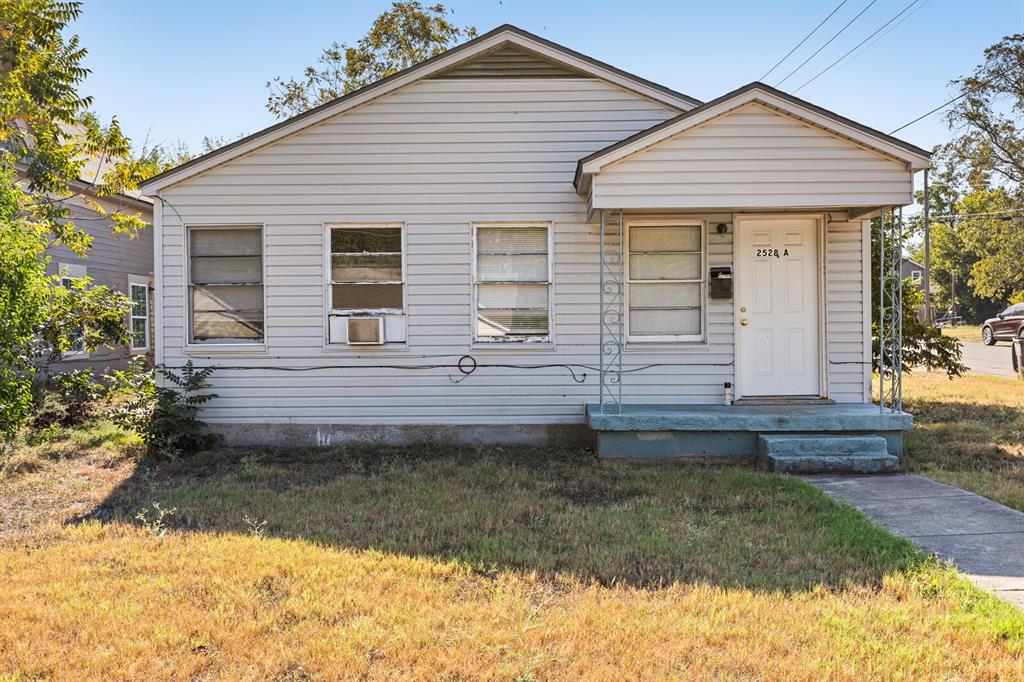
(915, 276)
(666, 284)
(226, 285)
(140, 316)
(366, 274)
(68, 275)
(513, 279)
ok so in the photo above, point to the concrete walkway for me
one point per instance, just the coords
(983, 538)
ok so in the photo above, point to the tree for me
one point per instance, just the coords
(47, 135)
(923, 344)
(988, 161)
(406, 34)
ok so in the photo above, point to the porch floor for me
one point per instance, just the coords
(760, 418)
(734, 432)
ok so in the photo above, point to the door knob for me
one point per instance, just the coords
(743, 308)
(744, 322)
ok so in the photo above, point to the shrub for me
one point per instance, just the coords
(66, 399)
(166, 418)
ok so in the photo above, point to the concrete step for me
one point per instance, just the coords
(805, 454)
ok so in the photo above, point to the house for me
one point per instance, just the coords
(914, 271)
(513, 242)
(119, 262)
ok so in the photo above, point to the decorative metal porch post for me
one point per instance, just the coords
(612, 318)
(890, 314)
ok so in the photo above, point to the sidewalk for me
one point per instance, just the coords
(983, 538)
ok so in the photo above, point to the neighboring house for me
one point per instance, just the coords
(914, 271)
(438, 255)
(120, 262)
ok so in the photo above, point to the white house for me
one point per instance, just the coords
(481, 246)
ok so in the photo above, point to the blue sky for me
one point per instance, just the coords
(179, 70)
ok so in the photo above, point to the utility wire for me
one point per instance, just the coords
(806, 37)
(946, 104)
(838, 33)
(975, 215)
(849, 52)
(882, 37)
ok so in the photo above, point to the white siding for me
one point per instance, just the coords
(436, 155)
(845, 308)
(753, 158)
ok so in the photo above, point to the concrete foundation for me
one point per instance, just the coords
(402, 435)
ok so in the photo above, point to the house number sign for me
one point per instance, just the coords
(772, 253)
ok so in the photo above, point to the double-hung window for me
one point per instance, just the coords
(666, 283)
(68, 275)
(225, 285)
(512, 282)
(366, 270)
(139, 316)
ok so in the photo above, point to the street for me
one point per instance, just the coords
(994, 360)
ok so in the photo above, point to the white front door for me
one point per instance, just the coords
(776, 302)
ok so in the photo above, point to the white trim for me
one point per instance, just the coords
(865, 271)
(546, 342)
(425, 70)
(158, 279)
(144, 284)
(72, 271)
(822, 234)
(754, 95)
(643, 340)
(201, 348)
(325, 277)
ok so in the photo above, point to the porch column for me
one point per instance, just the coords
(611, 332)
(890, 313)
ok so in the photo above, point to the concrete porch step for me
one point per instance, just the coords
(805, 454)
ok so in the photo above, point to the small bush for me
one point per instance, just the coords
(66, 399)
(166, 418)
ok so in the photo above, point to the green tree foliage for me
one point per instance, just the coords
(406, 34)
(47, 138)
(923, 345)
(984, 166)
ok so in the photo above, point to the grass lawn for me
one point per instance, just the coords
(968, 432)
(963, 332)
(301, 565)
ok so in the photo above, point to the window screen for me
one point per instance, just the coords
(512, 283)
(366, 269)
(226, 285)
(666, 290)
(140, 316)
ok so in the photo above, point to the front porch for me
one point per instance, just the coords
(859, 437)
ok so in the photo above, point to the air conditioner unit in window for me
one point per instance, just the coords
(365, 331)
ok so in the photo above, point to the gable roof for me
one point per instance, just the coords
(496, 39)
(784, 102)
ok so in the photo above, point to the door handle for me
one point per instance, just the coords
(743, 322)
(743, 308)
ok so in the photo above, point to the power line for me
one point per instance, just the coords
(946, 104)
(849, 52)
(882, 37)
(976, 215)
(827, 43)
(806, 37)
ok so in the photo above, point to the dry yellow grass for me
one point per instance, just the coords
(384, 564)
(112, 602)
(968, 432)
(964, 332)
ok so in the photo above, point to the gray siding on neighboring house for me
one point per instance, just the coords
(438, 155)
(110, 262)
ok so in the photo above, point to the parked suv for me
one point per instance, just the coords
(1005, 326)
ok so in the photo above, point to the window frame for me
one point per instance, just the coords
(132, 317)
(546, 341)
(329, 309)
(234, 346)
(68, 272)
(916, 276)
(701, 335)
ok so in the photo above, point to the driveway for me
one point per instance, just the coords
(994, 360)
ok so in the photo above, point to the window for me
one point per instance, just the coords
(139, 316)
(226, 285)
(366, 270)
(665, 282)
(68, 275)
(512, 283)
(915, 276)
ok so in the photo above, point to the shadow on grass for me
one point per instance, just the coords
(549, 512)
(965, 436)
